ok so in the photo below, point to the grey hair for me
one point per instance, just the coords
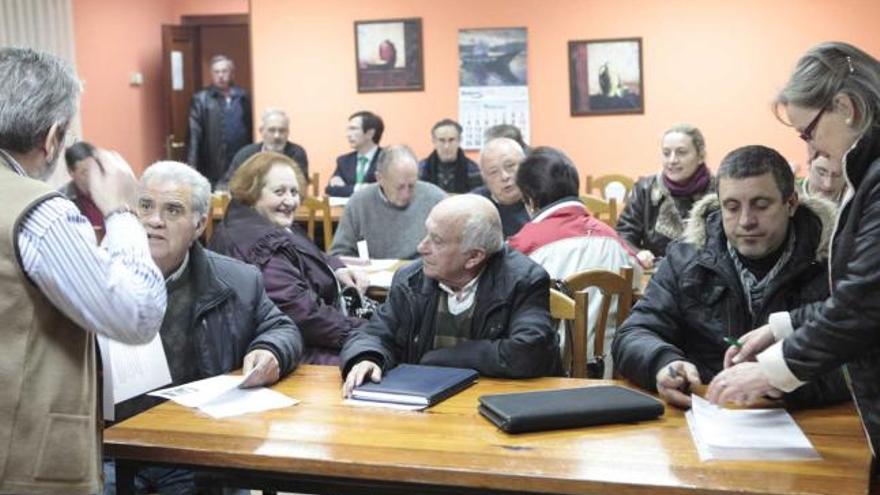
(181, 173)
(503, 145)
(393, 154)
(482, 230)
(693, 133)
(222, 58)
(269, 112)
(37, 90)
(832, 68)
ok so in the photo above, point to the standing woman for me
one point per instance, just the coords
(833, 101)
(655, 214)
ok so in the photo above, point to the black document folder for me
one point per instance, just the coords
(416, 384)
(568, 408)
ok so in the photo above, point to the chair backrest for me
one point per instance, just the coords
(604, 210)
(314, 205)
(574, 313)
(313, 180)
(609, 284)
(219, 203)
(615, 186)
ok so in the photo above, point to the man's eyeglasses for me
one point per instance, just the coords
(807, 133)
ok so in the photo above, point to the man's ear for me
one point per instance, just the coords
(201, 224)
(792, 203)
(475, 259)
(53, 139)
(371, 133)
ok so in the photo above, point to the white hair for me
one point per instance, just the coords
(271, 111)
(181, 173)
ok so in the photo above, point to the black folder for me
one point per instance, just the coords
(568, 408)
(416, 384)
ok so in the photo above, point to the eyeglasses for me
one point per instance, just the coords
(807, 134)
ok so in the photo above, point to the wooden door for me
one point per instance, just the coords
(180, 63)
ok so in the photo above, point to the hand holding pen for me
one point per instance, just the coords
(674, 383)
(747, 346)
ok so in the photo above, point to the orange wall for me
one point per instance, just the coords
(113, 40)
(714, 63)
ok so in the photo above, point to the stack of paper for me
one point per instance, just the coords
(220, 397)
(746, 434)
(131, 370)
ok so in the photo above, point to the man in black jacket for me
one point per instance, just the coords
(470, 302)
(749, 251)
(219, 317)
(220, 122)
(447, 166)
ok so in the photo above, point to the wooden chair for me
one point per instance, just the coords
(604, 181)
(573, 313)
(604, 210)
(216, 212)
(313, 180)
(314, 205)
(609, 284)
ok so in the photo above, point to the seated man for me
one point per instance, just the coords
(219, 317)
(275, 129)
(447, 166)
(506, 130)
(499, 161)
(825, 180)
(358, 168)
(470, 302)
(749, 251)
(563, 237)
(79, 158)
(390, 215)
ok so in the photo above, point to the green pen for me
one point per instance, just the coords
(733, 342)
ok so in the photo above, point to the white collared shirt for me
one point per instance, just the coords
(461, 301)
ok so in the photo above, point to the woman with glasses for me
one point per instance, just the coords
(659, 205)
(833, 101)
(302, 280)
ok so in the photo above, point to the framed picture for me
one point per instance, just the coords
(389, 55)
(605, 76)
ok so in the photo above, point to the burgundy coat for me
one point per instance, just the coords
(298, 276)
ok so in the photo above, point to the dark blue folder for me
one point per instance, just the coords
(417, 385)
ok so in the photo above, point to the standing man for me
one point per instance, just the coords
(356, 169)
(499, 162)
(59, 287)
(275, 129)
(447, 166)
(219, 122)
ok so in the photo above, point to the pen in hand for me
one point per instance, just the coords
(673, 372)
(733, 342)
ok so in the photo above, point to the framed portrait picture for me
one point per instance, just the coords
(389, 55)
(605, 76)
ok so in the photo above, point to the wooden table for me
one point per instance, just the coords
(325, 446)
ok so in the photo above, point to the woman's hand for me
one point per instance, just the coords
(646, 258)
(353, 278)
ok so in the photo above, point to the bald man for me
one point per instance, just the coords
(469, 302)
(499, 161)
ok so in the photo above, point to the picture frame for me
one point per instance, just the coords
(606, 77)
(388, 55)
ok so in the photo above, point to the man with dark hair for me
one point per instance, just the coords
(275, 130)
(447, 166)
(469, 302)
(506, 131)
(749, 251)
(80, 159)
(220, 122)
(358, 168)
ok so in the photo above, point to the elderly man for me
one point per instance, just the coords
(390, 214)
(59, 287)
(448, 167)
(219, 317)
(275, 129)
(825, 180)
(749, 251)
(357, 169)
(499, 162)
(219, 122)
(470, 302)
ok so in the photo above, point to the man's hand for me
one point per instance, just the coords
(111, 182)
(336, 181)
(353, 278)
(744, 384)
(646, 258)
(752, 344)
(266, 369)
(674, 382)
(358, 374)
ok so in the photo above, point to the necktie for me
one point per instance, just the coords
(361, 170)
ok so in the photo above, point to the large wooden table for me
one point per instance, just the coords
(325, 446)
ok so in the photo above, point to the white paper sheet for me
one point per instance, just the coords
(337, 201)
(131, 370)
(381, 279)
(177, 70)
(220, 397)
(746, 434)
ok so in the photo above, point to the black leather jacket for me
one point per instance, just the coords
(695, 300)
(846, 328)
(207, 151)
(513, 333)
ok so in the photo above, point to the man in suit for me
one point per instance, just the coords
(275, 130)
(355, 169)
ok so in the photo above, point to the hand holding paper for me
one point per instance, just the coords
(260, 368)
